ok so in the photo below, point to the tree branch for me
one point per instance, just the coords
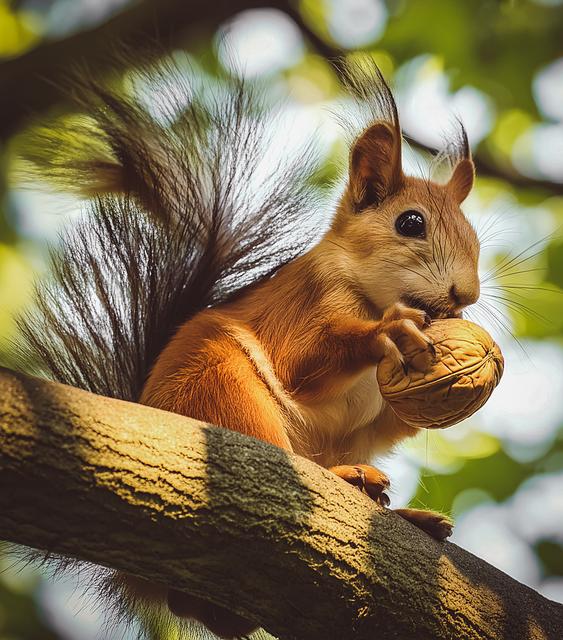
(262, 532)
(484, 165)
(33, 82)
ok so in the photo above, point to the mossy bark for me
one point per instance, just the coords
(267, 534)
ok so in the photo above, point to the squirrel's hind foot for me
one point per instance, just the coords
(374, 482)
(366, 478)
(434, 524)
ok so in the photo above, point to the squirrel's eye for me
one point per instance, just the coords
(411, 224)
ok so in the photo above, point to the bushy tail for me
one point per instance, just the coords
(179, 221)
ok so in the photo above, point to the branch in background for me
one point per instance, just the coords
(260, 531)
(484, 165)
(31, 83)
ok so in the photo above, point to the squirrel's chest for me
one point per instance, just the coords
(335, 417)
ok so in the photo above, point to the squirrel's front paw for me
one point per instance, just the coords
(367, 478)
(400, 332)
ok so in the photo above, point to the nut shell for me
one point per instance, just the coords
(468, 366)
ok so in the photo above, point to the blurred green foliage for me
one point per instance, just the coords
(496, 46)
(19, 617)
(19, 30)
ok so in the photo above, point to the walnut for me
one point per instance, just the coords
(468, 366)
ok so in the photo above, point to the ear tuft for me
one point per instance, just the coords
(461, 182)
(375, 165)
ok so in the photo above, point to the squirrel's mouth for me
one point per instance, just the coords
(434, 309)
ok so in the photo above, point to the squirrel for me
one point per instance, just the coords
(186, 291)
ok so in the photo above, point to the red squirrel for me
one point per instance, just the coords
(288, 354)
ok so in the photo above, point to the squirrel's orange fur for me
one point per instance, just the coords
(292, 360)
(267, 363)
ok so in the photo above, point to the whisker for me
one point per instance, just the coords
(402, 266)
(336, 244)
(519, 307)
(502, 323)
(492, 228)
(480, 307)
(529, 287)
(519, 258)
(512, 273)
(436, 245)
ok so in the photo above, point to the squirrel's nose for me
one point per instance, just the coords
(463, 296)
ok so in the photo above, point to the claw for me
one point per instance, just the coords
(427, 319)
(367, 479)
(362, 484)
(434, 524)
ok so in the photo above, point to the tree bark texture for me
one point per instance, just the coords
(262, 532)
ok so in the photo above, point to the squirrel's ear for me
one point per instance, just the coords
(461, 182)
(375, 165)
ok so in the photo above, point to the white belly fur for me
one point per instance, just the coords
(331, 424)
(330, 431)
